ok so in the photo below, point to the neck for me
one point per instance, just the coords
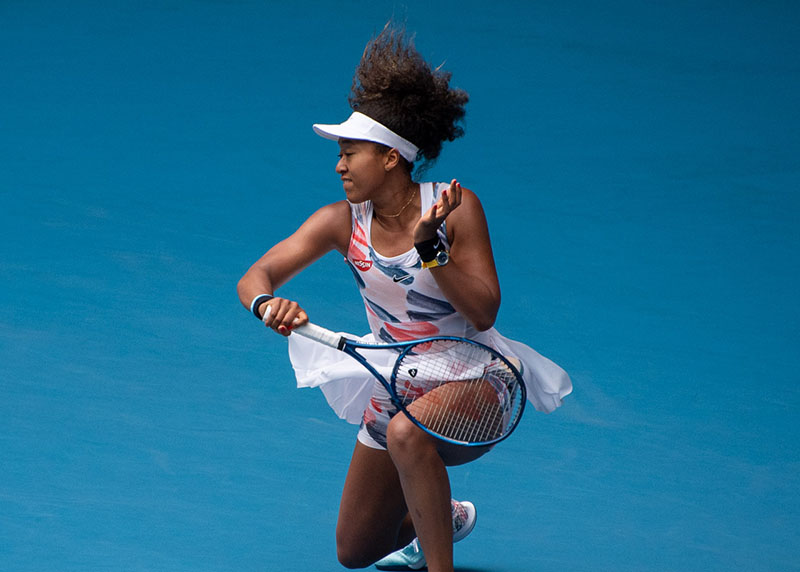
(398, 203)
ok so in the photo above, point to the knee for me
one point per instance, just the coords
(352, 561)
(355, 558)
(349, 558)
(403, 438)
(351, 551)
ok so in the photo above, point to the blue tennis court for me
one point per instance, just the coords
(639, 164)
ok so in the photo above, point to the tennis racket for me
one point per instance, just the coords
(455, 389)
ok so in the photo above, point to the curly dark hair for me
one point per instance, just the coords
(395, 86)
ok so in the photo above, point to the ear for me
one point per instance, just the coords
(391, 159)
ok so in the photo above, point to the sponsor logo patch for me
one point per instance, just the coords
(362, 265)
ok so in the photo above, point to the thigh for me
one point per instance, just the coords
(372, 507)
(468, 410)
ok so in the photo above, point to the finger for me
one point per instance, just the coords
(447, 202)
(451, 197)
(293, 318)
(430, 217)
(286, 315)
(268, 318)
(302, 318)
(299, 320)
(457, 192)
(454, 194)
(444, 201)
(276, 312)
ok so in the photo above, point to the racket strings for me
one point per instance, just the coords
(459, 391)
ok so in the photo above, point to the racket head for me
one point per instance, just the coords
(459, 390)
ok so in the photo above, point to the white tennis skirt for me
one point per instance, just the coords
(348, 386)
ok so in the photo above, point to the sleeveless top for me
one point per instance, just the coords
(402, 301)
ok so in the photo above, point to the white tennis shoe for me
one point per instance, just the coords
(411, 557)
(464, 518)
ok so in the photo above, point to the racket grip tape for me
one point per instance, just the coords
(320, 334)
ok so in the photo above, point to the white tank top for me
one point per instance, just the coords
(403, 301)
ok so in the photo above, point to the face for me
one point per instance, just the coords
(362, 168)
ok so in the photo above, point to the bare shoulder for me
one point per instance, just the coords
(340, 210)
(330, 224)
(469, 215)
(470, 199)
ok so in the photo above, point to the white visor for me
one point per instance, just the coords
(359, 126)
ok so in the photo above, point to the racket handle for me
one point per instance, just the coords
(320, 334)
(314, 332)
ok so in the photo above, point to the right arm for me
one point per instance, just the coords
(327, 229)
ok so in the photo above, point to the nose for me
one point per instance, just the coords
(340, 166)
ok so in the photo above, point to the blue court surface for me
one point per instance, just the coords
(639, 163)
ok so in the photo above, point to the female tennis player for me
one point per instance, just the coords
(423, 263)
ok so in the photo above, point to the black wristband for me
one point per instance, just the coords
(257, 301)
(428, 249)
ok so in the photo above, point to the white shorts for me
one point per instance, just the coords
(377, 414)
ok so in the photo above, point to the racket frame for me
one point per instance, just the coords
(349, 346)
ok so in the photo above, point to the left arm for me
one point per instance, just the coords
(469, 281)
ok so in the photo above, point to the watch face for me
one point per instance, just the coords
(442, 257)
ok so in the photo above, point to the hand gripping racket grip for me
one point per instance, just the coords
(314, 332)
(321, 335)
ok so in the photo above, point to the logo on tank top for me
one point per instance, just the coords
(362, 265)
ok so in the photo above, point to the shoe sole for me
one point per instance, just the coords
(399, 568)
